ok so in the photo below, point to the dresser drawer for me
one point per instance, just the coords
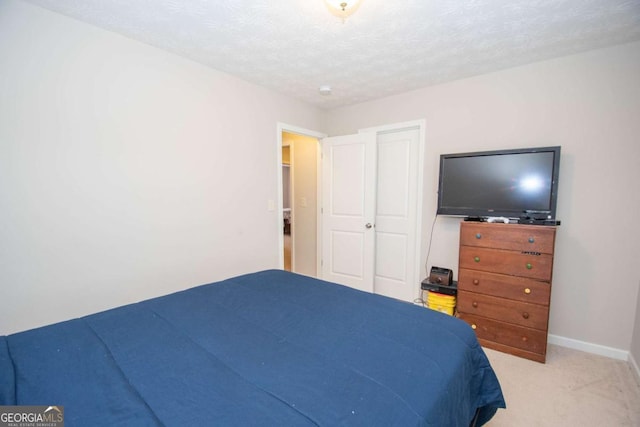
(501, 285)
(528, 339)
(506, 262)
(520, 313)
(522, 238)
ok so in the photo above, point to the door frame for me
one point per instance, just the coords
(283, 127)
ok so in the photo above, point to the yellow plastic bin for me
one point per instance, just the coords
(441, 302)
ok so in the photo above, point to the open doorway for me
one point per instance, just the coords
(286, 205)
(299, 204)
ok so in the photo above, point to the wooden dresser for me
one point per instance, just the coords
(504, 285)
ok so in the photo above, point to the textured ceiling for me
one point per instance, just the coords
(386, 47)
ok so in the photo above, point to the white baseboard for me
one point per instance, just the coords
(634, 367)
(588, 347)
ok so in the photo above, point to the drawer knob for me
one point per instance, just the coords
(525, 339)
(529, 266)
(473, 326)
(525, 315)
(474, 304)
(532, 240)
(476, 282)
(478, 236)
(527, 291)
(476, 259)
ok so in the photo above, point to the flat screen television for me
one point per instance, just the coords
(503, 183)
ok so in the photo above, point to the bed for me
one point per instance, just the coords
(270, 348)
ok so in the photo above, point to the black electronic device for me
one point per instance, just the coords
(536, 218)
(451, 289)
(533, 214)
(441, 276)
(539, 221)
(501, 183)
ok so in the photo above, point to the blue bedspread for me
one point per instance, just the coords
(265, 349)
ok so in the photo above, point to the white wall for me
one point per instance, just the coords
(126, 172)
(634, 355)
(590, 105)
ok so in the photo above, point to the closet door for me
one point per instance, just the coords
(370, 233)
(396, 251)
(348, 209)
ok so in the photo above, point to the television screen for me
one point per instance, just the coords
(507, 183)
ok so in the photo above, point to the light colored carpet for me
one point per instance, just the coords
(572, 389)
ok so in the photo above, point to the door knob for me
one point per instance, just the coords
(368, 225)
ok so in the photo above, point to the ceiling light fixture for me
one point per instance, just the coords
(342, 8)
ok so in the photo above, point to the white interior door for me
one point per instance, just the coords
(397, 177)
(348, 210)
